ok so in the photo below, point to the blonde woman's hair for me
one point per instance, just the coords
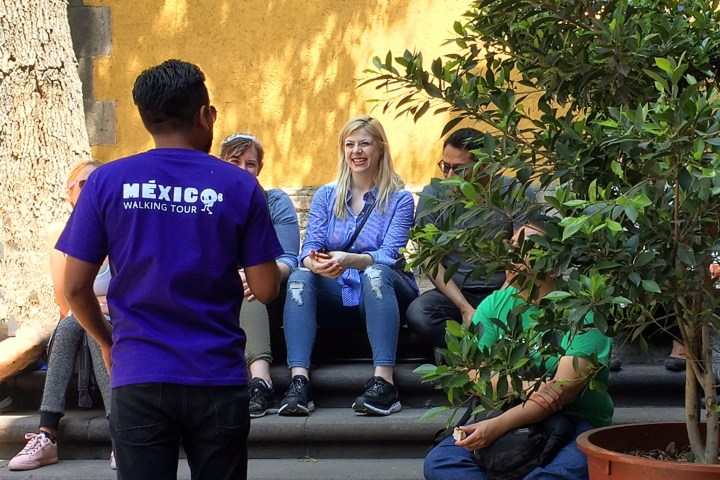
(386, 179)
(79, 167)
(237, 143)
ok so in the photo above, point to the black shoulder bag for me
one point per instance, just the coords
(519, 451)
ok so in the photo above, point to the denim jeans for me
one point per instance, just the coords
(150, 421)
(428, 314)
(450, 462)
(314, 300)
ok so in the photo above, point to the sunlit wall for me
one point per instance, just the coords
(285, 70)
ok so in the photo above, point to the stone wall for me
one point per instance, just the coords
(91, 31)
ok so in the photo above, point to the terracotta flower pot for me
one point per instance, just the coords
(602, 446)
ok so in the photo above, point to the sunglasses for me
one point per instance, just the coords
(79, 183)
(446, 168)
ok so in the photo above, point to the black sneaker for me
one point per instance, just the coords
(380, 398)
(298, 398)
(262, 398)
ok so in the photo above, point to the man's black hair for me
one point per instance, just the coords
(465, 139)
(169, 95)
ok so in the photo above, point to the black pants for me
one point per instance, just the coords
(150, 421)
(428, 313)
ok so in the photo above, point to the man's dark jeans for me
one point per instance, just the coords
(150, 421)
(428, 314)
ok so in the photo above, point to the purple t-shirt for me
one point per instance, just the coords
(176, 224)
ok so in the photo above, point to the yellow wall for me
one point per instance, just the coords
(285, 70)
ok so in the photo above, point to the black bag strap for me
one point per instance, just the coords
(444, 433)
(350, 242)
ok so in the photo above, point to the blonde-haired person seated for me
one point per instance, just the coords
(68, 340)
(246, 151)
(347, 282)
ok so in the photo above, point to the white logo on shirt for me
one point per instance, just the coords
(153, 196)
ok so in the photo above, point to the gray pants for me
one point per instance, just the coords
(254, 320)
(67, 342)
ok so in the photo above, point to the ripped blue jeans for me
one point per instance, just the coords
(314, 300)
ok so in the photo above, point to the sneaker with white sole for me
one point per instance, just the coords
(39, 451)
(262, 398)
(113, 465)
(298, 399)
(380, 398)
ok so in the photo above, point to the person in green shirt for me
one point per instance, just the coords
(565, 390)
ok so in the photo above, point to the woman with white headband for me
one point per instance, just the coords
(246, 151)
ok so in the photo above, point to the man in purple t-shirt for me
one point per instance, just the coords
(176, 225)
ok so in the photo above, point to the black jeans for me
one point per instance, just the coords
(428, 313)
(149, 422)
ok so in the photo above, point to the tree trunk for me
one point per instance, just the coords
(42, 134)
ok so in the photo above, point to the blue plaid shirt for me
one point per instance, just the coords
(383, 235)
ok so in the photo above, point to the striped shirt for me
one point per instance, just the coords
(383, 235)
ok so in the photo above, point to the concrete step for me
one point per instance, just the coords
(300, 468)
(275, 469)
(334, 385)
(647, 384)
(327, 433)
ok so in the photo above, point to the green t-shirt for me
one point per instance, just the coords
(594, 406)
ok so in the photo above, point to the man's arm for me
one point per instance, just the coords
(562, 390)
(264, 281)
(453, 293)
(79, 293)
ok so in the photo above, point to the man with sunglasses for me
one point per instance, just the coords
(176, 223)
(457, 298)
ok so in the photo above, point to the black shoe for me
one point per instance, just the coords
(615, 364)
(262, 398)
(675, 364)
(380, 398)
(298, 398)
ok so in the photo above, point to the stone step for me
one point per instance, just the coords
(327, 433)
(337, 385)
(647, 384)
(258, 469)
(334, 385)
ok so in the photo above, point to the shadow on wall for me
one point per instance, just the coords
(285, 70)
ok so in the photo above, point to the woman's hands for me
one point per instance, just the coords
(333, 264)
(325, 263)
(481, 434)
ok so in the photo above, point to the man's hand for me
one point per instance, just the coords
(247, 293)
(467, 315)
(107, 358)
(481, 434)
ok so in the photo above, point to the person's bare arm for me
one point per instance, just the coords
(569, 380)
(264, 281)
(79, 294)
(453, 293)
(57, 273)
